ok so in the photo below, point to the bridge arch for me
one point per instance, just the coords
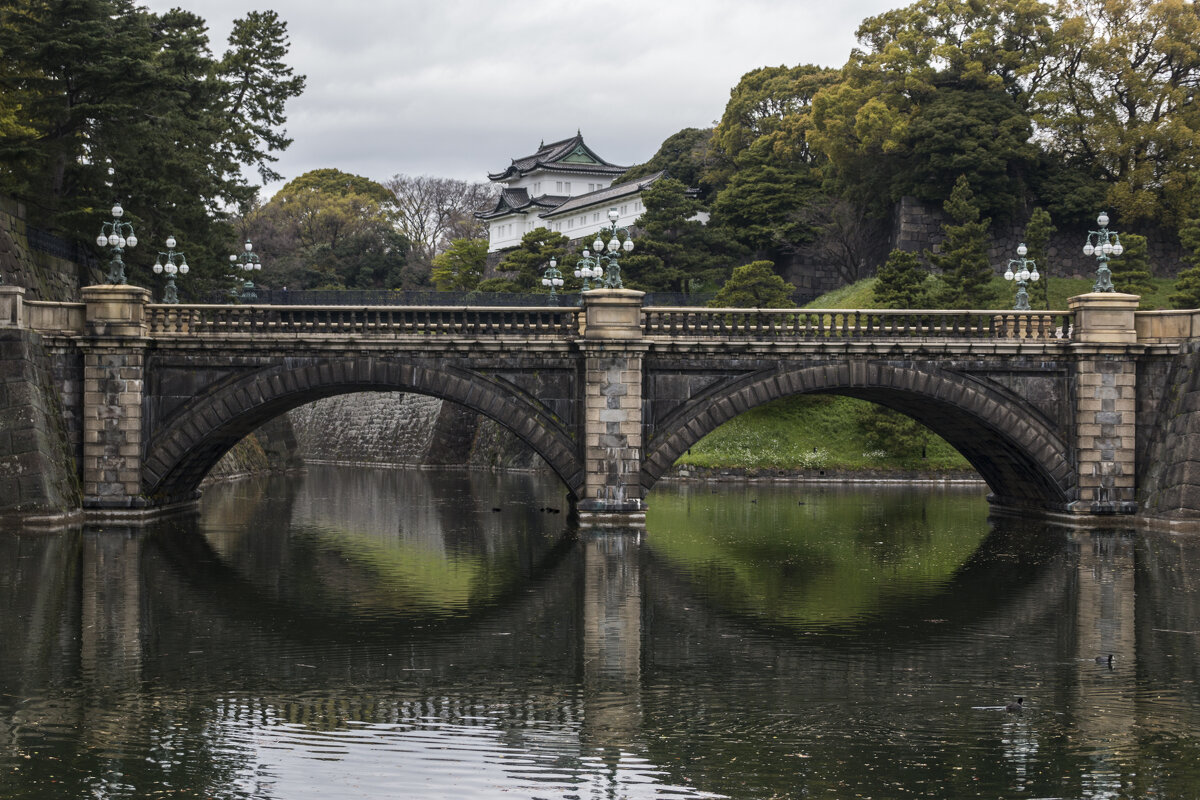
(180, 452)
(1010, 442)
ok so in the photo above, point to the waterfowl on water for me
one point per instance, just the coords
(1108, 659)
(1018, 705)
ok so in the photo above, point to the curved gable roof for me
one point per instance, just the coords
(567, 155)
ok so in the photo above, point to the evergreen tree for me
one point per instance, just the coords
(674, 250)
(902, 282)
(892, 432)
(523, 266)
(1131, 270)
(1038, 231)
(104, 100)
(1187, 287)
(755, 285)
(460, 267)
(965, 272)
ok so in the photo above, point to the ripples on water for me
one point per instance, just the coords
(407, 634)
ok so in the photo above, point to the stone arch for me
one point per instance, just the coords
(181, 453)
(1023, 459)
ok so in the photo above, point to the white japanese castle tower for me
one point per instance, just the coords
(564, 187)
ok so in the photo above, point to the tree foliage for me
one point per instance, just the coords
(755, 285)
(460, 266)
(104, 100)
(675, 251)
(962, 258)
(432, 212)
(1131, 270)
(902, 281)
(522, 267)
(333, 230)
(1038, 231)
(892, 432)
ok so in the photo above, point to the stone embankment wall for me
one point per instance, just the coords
(1168, 433)
(37, 466)
(400, 429)
(49, 268)
(918, 227)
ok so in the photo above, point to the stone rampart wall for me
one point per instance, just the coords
(1169, 435)
(47, 267)
(404, 429)
(918, 227)
(37, 465)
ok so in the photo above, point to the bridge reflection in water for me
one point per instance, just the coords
(289, 642)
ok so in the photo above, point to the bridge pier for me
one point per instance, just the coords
(1105, 346)
(114, 348)
(612, 404)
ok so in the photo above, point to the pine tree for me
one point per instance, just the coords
(1037, 238)
(1187, 287)
(755, 285)
(966, 274)
(1131, 270)
(901, 282)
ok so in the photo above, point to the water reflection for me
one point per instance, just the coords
(375, 634)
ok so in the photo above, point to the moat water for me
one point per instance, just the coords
(380, 634)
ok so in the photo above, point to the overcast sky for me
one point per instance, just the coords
(458, 88)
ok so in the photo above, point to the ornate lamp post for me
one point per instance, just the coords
(588, 268)
(249, 262)
(166, 263)
(605, 264)
(1025, 271)
(1102, 244)
(118, 235)
(553, 278)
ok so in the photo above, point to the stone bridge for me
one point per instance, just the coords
(1084, 411)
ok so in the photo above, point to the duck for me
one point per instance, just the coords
(1108, 659)
(1017, 705)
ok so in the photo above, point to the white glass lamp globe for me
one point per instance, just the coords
(1033, 276)
(113, 239)
(1088, 249)
(628, 246)
(1118, 248)
(117, 211)
(101, 240)
(158, 268)
(183, 268)
(131, 241)
(170, 241)
(1008, 276)
(1102, 220)
(1022, 249)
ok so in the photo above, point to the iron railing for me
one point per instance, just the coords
(209, 320)
(800, 324)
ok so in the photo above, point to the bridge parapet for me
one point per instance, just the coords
(474, 321)
(858, 324)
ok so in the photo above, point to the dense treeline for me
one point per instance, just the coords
(993, 108)
(103, 101)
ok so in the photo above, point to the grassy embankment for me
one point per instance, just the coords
(807, 432)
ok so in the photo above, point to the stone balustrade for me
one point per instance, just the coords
(791, 323)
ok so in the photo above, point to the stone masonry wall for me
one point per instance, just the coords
(37, 466)
(45, 266)
(918, 227)
(1169, 417)
(404, 429)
